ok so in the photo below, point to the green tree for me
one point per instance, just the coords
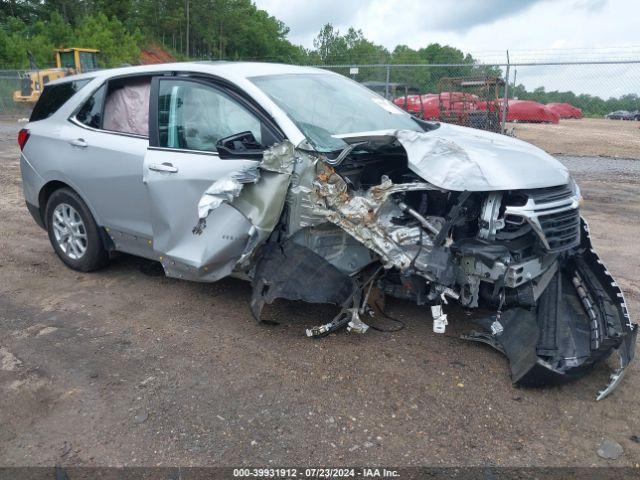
(70, 10)
(25, 10)
(117, 46)
(418, 77)
(13, 45)
(330, 47)
(120, 9)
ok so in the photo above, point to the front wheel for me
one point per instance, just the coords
(73, 232)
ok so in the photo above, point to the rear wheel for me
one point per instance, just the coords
(73, 232)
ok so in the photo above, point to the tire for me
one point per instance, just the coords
(73, 232)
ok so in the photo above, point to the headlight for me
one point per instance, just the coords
(576, 191)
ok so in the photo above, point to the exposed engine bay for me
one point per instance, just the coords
(362, 220)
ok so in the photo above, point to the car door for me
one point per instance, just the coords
(106, 164)
(188, 118)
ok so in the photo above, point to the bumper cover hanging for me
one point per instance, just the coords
(580, 320)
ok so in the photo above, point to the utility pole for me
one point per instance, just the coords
(505, 103)
(187, 9)
(387, 90)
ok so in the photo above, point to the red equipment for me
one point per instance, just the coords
(565, 110)
(527, 111)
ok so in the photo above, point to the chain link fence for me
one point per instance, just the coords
(579, 107)
(9, 83)
(565, 107)
(596, 87)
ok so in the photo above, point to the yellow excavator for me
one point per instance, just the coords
(69, 61)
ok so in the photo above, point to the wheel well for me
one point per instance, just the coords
(45, 193)
(43, 197)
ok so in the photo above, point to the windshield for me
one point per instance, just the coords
(322, 105)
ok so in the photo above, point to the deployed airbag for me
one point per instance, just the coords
(127, 109)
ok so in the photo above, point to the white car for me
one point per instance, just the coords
(315, 188)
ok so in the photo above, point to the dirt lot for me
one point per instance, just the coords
(120, 367)
(587, 136)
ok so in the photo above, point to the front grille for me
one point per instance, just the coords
(554, 215)
(550, 194)
(561, 230)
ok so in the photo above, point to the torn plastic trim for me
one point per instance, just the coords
(626, 350)
(615, 377)
(293, 272)
(580, 320)
(263, 202)
(278, 159)
(223, 190)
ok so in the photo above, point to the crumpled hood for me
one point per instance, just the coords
(459, 158)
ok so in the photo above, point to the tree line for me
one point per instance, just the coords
(230, 30)
(213, 29)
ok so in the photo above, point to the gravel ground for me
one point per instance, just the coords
(123, 367)
(587, 136)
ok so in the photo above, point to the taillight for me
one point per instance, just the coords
(23, 136)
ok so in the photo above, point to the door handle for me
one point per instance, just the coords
(78, 142)
(163, 167)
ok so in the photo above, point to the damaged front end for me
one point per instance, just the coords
(376, 216)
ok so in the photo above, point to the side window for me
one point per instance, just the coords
(53, 97)
(194, 116)
(91, 112)
(67, 60)
(126, 108)
(88, 61)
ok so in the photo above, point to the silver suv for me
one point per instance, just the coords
(314, 188)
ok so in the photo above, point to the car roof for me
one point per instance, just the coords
(238, 73)
(222, 68)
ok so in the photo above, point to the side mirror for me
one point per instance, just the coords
(240, 145)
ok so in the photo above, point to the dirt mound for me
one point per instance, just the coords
(155, 53)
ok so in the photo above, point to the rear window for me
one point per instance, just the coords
(91, 112)
(53, 97)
